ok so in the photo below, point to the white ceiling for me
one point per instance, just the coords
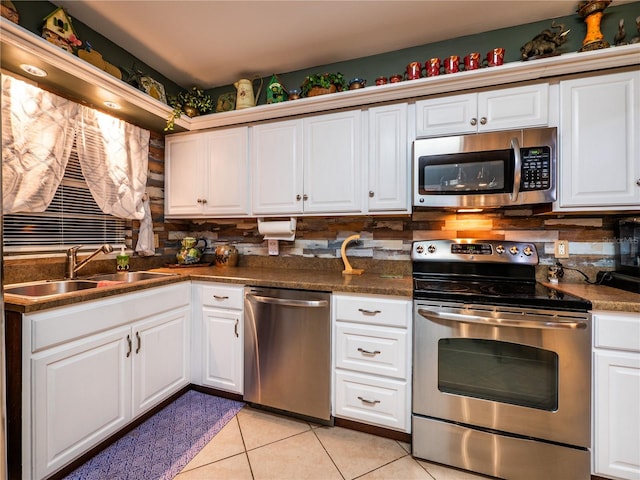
(210, 43)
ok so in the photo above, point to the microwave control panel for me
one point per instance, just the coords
(536, 168)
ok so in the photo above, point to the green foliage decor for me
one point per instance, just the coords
(324, 80)
(194, 98)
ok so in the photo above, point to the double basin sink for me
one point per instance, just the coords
(48, 288)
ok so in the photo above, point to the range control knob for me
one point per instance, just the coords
(513, 250)
(431, 248)
(500, 249)
(527, 251)
(419, 249)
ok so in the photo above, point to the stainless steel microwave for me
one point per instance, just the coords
(495, 169)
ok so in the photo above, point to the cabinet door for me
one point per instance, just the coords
(223, 354)
(388, 159)
(617, 415)
(227, 157)
(447, 115)
(511, 108)
(276, 168)
(185, 175)
(81, 394)
(160, 357)
(599, 156)
(332, 163)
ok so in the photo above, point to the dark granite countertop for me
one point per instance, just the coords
(601, 297)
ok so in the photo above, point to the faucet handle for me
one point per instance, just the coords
(74, 249)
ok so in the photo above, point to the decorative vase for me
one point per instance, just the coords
(226, 256)
(321, 91)
(190, 111)
(189, 253)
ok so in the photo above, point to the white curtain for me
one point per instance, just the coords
(114, 162)
(37, 135)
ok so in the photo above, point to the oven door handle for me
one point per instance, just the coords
(517, 168)
(502, 322)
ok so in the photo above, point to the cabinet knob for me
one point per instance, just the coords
(638, 182)
(474, 122)
(298, 197)
(371, 194)
(204, 200)
(305, 197)
(199, 200)
(483, 121)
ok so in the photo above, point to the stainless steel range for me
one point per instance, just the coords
(502, 364)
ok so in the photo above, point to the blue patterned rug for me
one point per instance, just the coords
(160, 447)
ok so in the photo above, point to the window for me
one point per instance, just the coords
(72, 218)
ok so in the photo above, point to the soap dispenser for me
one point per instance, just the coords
(122, 260)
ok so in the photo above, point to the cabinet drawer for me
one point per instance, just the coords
(618, 330)
(373, 310)
(372, 349)
(372, 400)
(226, 296)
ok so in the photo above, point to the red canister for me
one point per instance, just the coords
(452, 64)
(432, 66)
(472, 61)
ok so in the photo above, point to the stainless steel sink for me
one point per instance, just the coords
(128, 277)
(45, 289)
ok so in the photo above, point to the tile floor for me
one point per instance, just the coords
(261, 445)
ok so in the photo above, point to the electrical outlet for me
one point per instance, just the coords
(561, 248)
(273, 247)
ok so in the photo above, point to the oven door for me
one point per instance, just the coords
(521, 371)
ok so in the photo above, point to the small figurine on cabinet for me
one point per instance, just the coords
(618, 38)
(8, 10)
(636, 39)
(276, 92)
(545, 43)
(58, 30)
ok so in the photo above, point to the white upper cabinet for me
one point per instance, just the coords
(306, 166)
(501, 109)
(276, 168)
(333, 163)
(599, 154)
(389, 173)
(206, 174)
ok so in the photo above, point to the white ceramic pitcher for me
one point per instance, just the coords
(244, 95)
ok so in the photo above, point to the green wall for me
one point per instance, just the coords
(33, 12)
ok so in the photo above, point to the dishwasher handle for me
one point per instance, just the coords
(288, 302)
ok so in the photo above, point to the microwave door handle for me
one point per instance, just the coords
(517, 168)
(492, 321)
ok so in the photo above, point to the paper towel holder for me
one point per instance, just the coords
(278, 229)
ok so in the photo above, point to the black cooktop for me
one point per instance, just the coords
(496, 292)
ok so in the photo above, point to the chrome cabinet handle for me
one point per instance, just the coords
(369, 352)
(129, 343)
(369, 312)
(371, 194)
(220, 297)
(368, 402)
(235, 328)
(483, 121)
(139, 342)
(474, 122)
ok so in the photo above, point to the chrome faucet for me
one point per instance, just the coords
(73, 266)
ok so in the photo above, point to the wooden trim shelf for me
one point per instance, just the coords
(73, 76)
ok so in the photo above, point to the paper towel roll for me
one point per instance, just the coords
(278, 229)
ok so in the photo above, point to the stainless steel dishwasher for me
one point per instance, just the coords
(287, 351)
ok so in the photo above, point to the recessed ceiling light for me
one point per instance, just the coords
(113, 105)
(33, 70)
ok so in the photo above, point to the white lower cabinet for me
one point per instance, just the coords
(616, 398)
(90, 369)
(218, 310)
(372, 359)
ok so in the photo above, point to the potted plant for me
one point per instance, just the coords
(192, 102)
(320, 84)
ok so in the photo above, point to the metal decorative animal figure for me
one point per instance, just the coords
(546, 42)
